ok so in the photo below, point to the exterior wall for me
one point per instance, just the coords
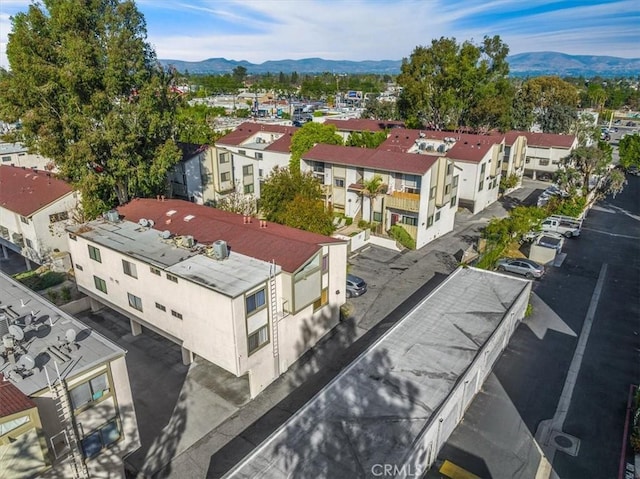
(545, 160)
(470, 177)
(514, 158)
(43, 235)
(452, 411)
(14, 154)
(23, 450)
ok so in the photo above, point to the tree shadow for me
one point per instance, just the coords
(340, 429)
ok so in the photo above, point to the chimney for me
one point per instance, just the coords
(162, 198)
(157, 197)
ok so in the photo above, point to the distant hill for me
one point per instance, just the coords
(522, 64)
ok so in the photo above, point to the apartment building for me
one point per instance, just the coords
(247, 295)
(420, 191)
(545, 151)
(477, 159)
(66, 408)
(17, 154)
(192, 179)
(34, 208)
(244, 157)
(515, 151)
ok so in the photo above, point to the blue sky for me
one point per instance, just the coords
(260, 30)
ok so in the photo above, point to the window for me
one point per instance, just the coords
(481, 185)
(129, 269)
(8, 426)
(6, 158)
(527, 160)
(432, 193)
(455, 181)
(171, 277)
(555, 162)
(54, 218)
(24, 220)
(94, 254)
(543, 162)
(29, 243)
(325, 263)
(447, 189)
(453, 201)
(175, 314)
(73, 237)
(258, 156)
(100, 283)
(90, 391)
(135, 302)
(449, 168)
(377, 217)
(160, 307)
(483, 168)
(410, 220)
(259, 338)
(103, 437)
(242, 152)
(429, 221)
(247, 170)
(338, 182)
(255, 301)
(322, 300)
(4, 232)
(260, 172)
(226, 176)
(437, 215)
(248, 189)
(224, 158)
(155, 271)
(79, 267)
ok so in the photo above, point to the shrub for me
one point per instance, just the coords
(508, 182)
(529, 311)
(53, 295)
(348, 221)
(39, 281)
(363, 224)
(401, 235)
(65, 293)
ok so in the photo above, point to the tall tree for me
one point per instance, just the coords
(448, 85)
(372, 188)
(367, 139)
(91, 95)
(629, 148)
(306, 137)
(549, 101)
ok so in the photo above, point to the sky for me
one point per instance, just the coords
(261, 30)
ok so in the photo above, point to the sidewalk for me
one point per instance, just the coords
(421, 271)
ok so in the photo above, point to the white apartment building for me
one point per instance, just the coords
(515, 151)
(34, 209)
(247, 295)
(545, 151)
(16, 154)
(420, 191)
(66, 408)
(189, 179)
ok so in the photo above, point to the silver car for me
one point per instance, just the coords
(526, 267)
(355, 286)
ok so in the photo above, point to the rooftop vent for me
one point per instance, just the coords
(220, 249)
(143, 222)
(171, 212)
(188, 241)
(166, 234)
(112, 215)
(189, 218)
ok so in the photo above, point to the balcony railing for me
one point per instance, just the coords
(403, 201)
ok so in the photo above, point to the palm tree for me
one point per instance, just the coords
(372, 188)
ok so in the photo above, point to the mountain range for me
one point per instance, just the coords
(521, 64)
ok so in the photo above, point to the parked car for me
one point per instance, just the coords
(564, 225)
(526, 267)
(550, 240)
(356, 286)
(633, 170)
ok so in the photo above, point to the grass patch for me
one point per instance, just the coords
(39, 281)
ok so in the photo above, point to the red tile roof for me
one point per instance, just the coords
(549, 140)
(12, 400)
(25, 191)
(364, 124)
(373, 159)
(282, 144)
(289, 247)
(472, 150)
(510, 137)
(402, 140)
(247, 129)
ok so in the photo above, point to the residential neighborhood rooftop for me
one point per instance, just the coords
(44, 337)
(289, 247)
(12, 400)
(375, 159)
(25, 190)
(7, 148)
(374, 410)
(364, 124)
(248, 129)
(549, 140)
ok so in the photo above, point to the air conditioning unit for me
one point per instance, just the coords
(112, 215)
(220, 249)
(188, 241)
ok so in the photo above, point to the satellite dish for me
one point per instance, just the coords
(143, 222)
(16, 332)
(166, 234)
(151, 223)
(27, 320)
(70, 335)
(27, 362)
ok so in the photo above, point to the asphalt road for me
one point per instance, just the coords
(495, 439)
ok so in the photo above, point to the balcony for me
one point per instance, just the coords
(403, 201)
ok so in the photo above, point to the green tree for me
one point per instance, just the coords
(91, 95)
(378, 110)
(629, 149)
(195, 124)
(372, 188)
(308, 214)
(367, 139)
(239, 74)
(448, 85)
(309, 135)
(281, 187)
(550, 101)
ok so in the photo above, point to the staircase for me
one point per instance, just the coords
(65, 414)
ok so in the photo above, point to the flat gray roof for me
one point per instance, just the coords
(231, 276)
(374, 410)
(10, 148)
(44, 328)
